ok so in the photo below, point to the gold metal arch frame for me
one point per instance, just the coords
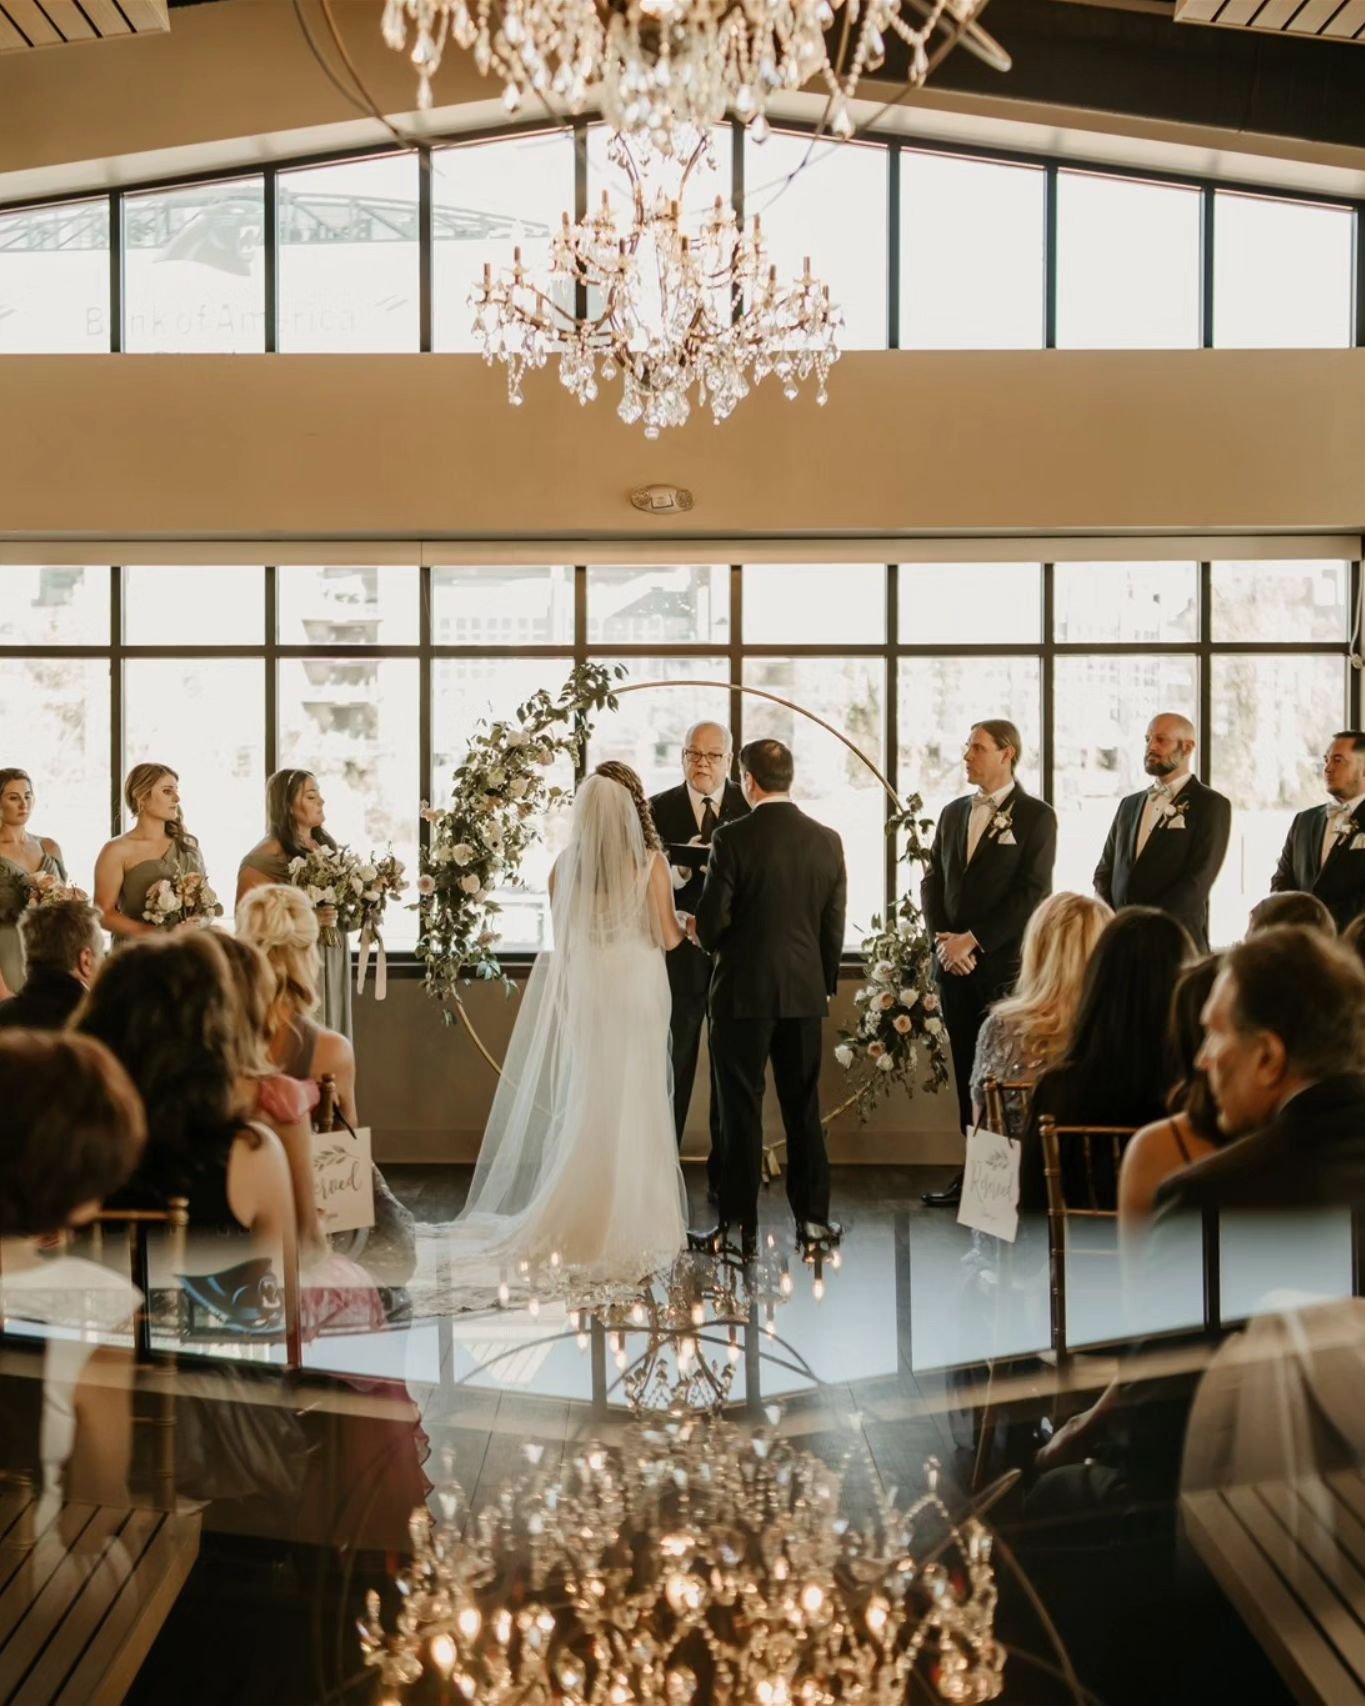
(771, 1167)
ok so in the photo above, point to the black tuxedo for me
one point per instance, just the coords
(1177, 867)
(48, 999)
(689, 968)
(772, 915)
(994, 897)
(1340, 883)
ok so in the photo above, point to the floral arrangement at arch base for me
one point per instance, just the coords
(476, 842)
(899, 1033)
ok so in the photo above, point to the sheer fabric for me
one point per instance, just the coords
(579, 1156)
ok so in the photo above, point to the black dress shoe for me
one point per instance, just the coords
(949, 1197)
(823, 1234)
(709, 1243)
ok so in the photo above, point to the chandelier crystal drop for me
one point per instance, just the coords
(667, 309)
(654, 65)
(694, 1561)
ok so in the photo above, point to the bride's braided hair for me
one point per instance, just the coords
(622, 773)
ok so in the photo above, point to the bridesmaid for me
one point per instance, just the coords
(158, 845)
(294, 826)
(28, 856)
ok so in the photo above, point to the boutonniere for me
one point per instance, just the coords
(1171, 814)
(1001, 827)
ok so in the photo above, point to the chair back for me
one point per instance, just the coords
(1087, 1141)
(328, 1108)
(1000, 1094)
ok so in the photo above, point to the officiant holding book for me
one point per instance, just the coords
(686, 817)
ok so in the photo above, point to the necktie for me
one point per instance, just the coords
(982, 807)
(708, 820)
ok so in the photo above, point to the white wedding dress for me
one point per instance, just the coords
(579, 1157)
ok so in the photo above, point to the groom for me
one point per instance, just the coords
(772, 916)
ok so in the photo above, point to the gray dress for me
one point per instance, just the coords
(139, 879)
(14, 884)
(334, 957)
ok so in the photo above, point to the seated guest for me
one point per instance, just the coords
(1115, 1070)
(1284, 1029)
(167, 1008)
(1352, 937)
(63, 944)
(1294, 906)
(72, 1133)
(1191, 1132)
(279, 920)
(1026, 1032)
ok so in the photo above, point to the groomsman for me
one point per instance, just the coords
(1166, 844)
(692, 812)
(1324, 853)
(990, 865)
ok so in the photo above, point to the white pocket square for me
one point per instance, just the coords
(1176, 823)
(1006, 838)
(1357, 843)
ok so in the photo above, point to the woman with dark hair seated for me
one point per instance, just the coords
(1191, 1130)
(1116, 1070)
(167, 1008)
(72, 1133)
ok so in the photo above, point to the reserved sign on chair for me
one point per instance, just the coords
(990, 1185)
(343, 1178)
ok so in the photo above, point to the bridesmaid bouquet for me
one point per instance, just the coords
(46, 890)
(15, 887)
(331, 876)
(184, 899)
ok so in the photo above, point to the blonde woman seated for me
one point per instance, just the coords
(279, 920)
(1191, 1132)
(1027, 1032)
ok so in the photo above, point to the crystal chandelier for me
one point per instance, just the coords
(668, 310)
(652, 65)
(692, 1562)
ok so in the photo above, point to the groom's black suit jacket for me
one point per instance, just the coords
(995, 896)
(1176, 868)
(1340, 883)
(689, 970)
(772, 914)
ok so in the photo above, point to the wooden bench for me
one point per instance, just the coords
(1290, 1556)
(84, 1590)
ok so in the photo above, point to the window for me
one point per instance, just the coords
(193, 269)
(1282, 273)
(825, 201)
(488, 200)
(1127, 264)
(348, 266)
(223, 684)
(972, 253)
(54, 280)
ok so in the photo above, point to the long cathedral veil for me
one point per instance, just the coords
(599, 903)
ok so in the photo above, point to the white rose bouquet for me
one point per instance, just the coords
(384, 879)
(184, 899)
(331, 876)
(897, 1031)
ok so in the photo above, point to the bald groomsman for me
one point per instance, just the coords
(1324, 852)
(1166, 844)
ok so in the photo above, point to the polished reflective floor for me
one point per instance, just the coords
(918, 1356)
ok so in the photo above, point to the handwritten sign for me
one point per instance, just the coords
(990, 1186)
(343, 1179)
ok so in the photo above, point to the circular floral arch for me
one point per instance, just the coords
(502, 790)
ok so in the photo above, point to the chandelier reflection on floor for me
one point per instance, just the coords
(693, 1562)
(655, 65)
(668, 310)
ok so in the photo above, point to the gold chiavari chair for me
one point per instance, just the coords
(1088, 1141)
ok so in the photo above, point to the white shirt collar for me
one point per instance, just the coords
(772, 800)
(1174, 787)
(1350, 806)
(698, 798)
(997, 796)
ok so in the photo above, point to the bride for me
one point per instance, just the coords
(579, 1157)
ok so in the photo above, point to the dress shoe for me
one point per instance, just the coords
(949, 1197)
(818, 1234)
(708, 1243)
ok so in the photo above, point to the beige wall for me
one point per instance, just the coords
(426, 1092)
(910, 442)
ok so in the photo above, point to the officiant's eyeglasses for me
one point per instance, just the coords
(696, 756)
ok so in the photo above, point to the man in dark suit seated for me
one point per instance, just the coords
(1166, 844)
(63, 944)
(690, 814)
(990, 865)
(1324, 852)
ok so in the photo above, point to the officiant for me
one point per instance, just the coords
(687, 816)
